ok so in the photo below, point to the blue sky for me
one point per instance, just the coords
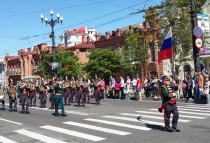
(21, 26)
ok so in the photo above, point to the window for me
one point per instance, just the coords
(152, 51)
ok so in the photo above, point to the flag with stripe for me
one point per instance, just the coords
(166, 51)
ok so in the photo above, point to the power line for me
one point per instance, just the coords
(109, 4)
(27, 13)
(99, 17)
(126, 16)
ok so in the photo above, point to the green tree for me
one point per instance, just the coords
(103, 62)
(68, 64)
(134, 53)
(176, 14)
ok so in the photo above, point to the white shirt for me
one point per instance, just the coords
(134, 82)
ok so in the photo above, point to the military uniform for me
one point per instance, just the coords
(80, 93)
(169, 106)
(73, 90)
(67, 93)
(2, 97)
(97, 91)
(42, 95)
(32, 95)
(24, 88)
(51, 91)
(86, 92)
(11, 92)
(58, 100)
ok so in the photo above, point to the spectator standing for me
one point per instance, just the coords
(138, 89)
(117, 89)
(122, 82)
(127, 88)
(196, 88)
(146, 87)
(184, 89)
(134, 83)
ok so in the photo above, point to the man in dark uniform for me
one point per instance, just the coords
(25, 99)
(11, 92)
(2, 96)
(58, 98)
(169, 105)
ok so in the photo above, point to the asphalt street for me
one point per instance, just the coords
(113, 121)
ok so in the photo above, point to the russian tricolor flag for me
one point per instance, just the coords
(166, 51)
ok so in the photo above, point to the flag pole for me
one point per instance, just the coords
(173, 57)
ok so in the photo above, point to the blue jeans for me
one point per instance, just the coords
(127, 96)
(196, 93)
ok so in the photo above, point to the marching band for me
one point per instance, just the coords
(61, 93)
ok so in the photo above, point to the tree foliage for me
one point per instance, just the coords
(68, 64)
(176, 14)
(134, 53)
(103, 62)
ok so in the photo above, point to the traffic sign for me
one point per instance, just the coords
(198, 42)
(197, 31)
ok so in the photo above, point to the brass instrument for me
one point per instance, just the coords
(14, 92)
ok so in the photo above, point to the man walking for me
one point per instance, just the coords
(169, 106)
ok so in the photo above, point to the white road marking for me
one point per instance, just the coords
(194, 110)
(6, 140)
(153, 117)
(193, 107)
(134, 120)
(11, 121)
(111, 131)
(187, 112)
(39, 137)
(66, 111)
(73, 133)
(118, 124)
(180, 115)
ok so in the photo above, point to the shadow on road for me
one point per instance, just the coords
(155, 127)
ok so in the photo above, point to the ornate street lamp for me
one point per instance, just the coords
(52, 23)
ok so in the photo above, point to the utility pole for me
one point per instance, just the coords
(195, 49)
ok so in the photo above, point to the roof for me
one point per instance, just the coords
(76, 31)
(82, 46)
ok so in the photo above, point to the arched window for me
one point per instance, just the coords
(152, 51)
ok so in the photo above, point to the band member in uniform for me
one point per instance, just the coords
(42, 95)
(11, 92)
(73, 90)
(97, 89)
(86, 91)
(24, 88)
(80, 89)
(58, 98)
(169, 105)
(32, 94)
(51, 91)
(66, 93)
(2, 97)
(19, 91)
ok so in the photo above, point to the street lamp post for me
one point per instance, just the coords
(52, 23)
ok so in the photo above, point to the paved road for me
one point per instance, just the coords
(114, 121)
